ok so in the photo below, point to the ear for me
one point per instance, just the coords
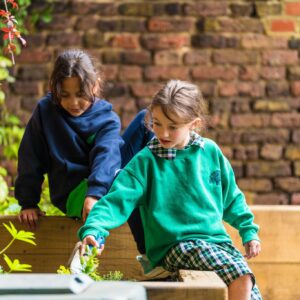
(96, 87)
(195, 124)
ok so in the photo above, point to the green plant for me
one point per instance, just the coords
(89, 264)
(21, 235)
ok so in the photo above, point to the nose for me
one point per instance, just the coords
(73, 101)
(164, 133)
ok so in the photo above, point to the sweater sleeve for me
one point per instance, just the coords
(105, 157)
(32, 164)
(114, 209)
(236, 211)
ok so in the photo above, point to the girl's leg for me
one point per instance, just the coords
(240, 288)
(136, 137)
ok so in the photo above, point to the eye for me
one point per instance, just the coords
(156, 124)
(172, 127)
(80, 94)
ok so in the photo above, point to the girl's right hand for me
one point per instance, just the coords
(90, 241)
(30, 216)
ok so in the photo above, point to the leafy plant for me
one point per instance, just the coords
(89, 264)
(24, 236)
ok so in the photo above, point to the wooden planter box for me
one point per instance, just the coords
(276, 268)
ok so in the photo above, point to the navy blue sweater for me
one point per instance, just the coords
(68, 149)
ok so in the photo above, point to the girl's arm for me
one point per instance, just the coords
(105, 157)
(32, 164)
(126, 193)
(236, 211)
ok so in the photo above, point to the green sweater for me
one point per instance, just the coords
(182, 199)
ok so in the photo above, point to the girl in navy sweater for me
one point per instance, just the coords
(73, 136)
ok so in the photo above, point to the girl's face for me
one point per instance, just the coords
(171, 133)
(72, 98)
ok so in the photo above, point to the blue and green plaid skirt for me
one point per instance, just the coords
(224, 259)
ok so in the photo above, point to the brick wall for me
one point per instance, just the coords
(243, 54)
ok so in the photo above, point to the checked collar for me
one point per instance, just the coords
(170, 153)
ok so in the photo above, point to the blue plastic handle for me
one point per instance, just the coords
(100, 240)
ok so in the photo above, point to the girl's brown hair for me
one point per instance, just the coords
(182, 99)
(75, 63)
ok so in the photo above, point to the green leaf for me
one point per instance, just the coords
(26, 236)
(12, 230)
(15, 265)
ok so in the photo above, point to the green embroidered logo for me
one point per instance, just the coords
(91, 139)
(215, 177)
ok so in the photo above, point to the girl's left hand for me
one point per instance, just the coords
(89, 202)
(252, 249)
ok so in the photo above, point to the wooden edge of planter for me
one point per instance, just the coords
(200, 285)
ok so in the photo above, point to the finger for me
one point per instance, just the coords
(100, 250)
(32, 220)
(41, 213)
(20, 218)
(82, 247)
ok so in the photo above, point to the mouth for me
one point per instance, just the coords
(164, 142)
(74, 111)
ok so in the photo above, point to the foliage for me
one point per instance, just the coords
(89, 264)
(24, 236)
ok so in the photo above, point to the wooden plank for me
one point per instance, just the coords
(279, 225)
(183, 290)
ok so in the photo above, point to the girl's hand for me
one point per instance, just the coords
(30, 217)
(89, 202)
(91, 241)
(252, 249)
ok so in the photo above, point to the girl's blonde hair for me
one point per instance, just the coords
(182, 99)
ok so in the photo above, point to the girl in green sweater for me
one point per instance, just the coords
(184, 187)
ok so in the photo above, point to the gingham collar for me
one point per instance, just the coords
(170, 153)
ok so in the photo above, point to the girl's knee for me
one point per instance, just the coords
(244, 282)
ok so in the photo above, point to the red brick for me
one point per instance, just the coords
(235, 57)
(277, 88)
(271, 151)
(268, 169)
(246, 152)
(288, 184)
(249, 73)
(110, 72)
(214, 73)
(295, 199)
(82, 24)
(286, 120)
(218, 120)
(253, 89)
(170, 25)
(270, 73)
(227, 89)
(280, 136)
(167, 58)
(240, 25)
(136, 57)
(250, 120)
(259, 41)
(200, 57)
(166, 72)
(92, 8)
(271, 199)
(292, 8)
(165, 41)
(214, 8)
(27, 87)
(34, 56)
(255, 185)
(124, 41)
(296, 136)
(295, 88)
(145, 89)
(283, 25)
(296, 165)
(67, 39)
(130, 73)
(208, 88)
(279, 57)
